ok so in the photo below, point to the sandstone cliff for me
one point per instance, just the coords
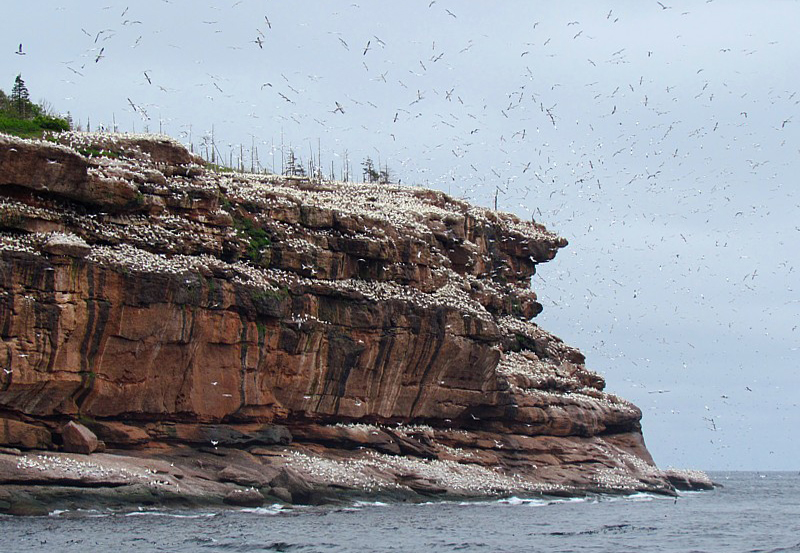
(365, 337)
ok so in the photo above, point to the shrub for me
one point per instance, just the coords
(50, 123)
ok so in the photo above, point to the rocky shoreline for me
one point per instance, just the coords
(179, 336)
(35, 483)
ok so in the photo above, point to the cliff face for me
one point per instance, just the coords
(162, 303)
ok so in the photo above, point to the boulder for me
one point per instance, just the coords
(293, 482)
(78, 439)
(281, 493)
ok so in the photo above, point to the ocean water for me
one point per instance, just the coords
(753, 512)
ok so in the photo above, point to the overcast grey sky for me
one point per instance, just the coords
(659, 138)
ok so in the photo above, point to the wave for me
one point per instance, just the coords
(370, 504)
(80, 513)
(168, 514)
(273, 509)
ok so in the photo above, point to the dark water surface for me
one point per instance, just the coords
(754, 512)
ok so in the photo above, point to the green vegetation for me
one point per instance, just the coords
(374, 175)
(94, 152)
(86, 420)
(258, 239)
(21, 117)
(219, 168)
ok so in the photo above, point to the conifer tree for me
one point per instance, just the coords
(369, 171)
(20, 98)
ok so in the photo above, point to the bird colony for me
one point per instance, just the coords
(143, 206)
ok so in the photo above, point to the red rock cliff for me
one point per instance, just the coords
(159, 301)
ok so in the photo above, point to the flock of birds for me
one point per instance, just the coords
(656, 143)
(375, 471)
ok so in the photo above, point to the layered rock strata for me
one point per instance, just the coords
(357, 337)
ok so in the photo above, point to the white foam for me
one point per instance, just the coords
(513, 500)
(584, 499)
(168, 514)
(89, 513)
(273, 509)
(641, 496)
(370, 504)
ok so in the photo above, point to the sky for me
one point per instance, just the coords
(659, 138)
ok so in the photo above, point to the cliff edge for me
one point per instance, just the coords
(246, 338)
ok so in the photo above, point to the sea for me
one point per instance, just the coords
(752, 512)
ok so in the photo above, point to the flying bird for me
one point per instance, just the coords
(20, 52)
(339, 108)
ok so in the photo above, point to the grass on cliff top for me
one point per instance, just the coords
(21, 117)
(26, 128)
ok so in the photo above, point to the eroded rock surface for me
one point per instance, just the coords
(383, 332)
